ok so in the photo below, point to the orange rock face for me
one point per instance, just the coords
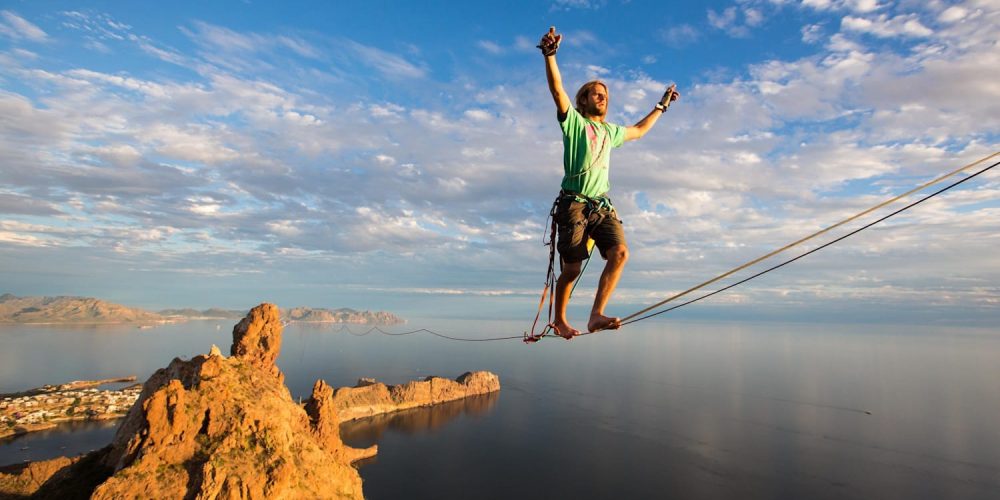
(369, 398)
(257, 338)
(22, 481)
(228, 427)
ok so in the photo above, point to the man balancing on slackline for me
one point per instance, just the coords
(583, 209)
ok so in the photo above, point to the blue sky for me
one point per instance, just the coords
(402, 156)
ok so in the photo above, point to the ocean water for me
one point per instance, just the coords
(660, 409)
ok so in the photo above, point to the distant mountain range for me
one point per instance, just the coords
(14, 309)
(342, 315)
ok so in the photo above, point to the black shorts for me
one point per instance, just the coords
(604, 227)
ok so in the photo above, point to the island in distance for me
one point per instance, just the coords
(89, 310)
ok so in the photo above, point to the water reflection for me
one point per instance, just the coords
(65, 439)
(368, 431)
(682, 409)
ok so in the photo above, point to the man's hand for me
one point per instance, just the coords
(639, 129)
(550, 42)
(669, 96)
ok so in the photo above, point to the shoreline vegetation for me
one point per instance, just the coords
(87, 311)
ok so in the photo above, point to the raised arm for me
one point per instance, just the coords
(639, 129)
(549, 44)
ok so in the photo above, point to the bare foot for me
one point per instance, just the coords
(564, 330)
(602, 322)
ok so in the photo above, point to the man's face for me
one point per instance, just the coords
(597, 101)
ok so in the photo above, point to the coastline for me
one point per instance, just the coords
(45, 407)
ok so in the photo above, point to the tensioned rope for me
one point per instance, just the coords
(634, 317)
(820, 232)
(789, 261)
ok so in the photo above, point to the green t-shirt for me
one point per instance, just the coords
(587, 153)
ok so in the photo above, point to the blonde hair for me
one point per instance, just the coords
(581, 95)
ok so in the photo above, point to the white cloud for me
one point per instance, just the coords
(385, 160)
(681, 35)
(953, 14)
(23, 239)
(818, 4)
(594, 71)
(578, 4)
(907, 25)
(116, 154)
(387, 110)
(525, 44)
(811, 33)
(726, 21)
(581, 38)
(203, 205)
(17, 28)
(192, 143)
(858, 6)
(286, 228)
(736, 21)
(484, 153)
(490, 47)
(386, 63)
(479, 115)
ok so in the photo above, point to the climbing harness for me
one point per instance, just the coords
(595, 209)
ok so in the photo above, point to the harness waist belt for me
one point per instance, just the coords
(598, 203)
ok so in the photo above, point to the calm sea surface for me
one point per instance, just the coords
(658, 410)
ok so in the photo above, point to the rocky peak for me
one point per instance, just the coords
(257, 338)
(217, 427)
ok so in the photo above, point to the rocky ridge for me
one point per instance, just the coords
(88, 310)
(342, 315)
(369, 398)
(64, 309)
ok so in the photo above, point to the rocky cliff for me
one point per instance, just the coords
(222, 427)
(369, 398)
(15, 309)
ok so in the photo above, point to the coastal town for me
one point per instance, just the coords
(45, 407)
